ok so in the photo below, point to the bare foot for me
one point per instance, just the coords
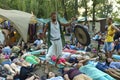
(46, 68)
(56, 62)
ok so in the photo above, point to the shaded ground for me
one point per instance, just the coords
(40, 69)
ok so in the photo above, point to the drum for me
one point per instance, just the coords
(82, 35)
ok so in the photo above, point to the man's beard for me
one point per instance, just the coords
(53, 20)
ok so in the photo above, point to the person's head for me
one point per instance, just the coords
(116, 41)
(9, 77)
(53, 16)
(65, 69)
(50, 75)
(79, 58)
(109, 21)
(109, 60)
(79, 65)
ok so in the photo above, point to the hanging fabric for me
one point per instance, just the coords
(32, 32)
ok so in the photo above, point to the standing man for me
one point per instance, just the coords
(109, 38)
(55, 38)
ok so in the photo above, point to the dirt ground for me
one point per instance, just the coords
(40, 70)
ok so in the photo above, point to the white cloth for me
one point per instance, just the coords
(38, 42)
(67, 54)
(56, 47)
(55, 30)
(86, 27)
(2, 38)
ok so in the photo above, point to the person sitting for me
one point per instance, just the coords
(116, 46)
(6, 50)
(96, 36)
(38, 43)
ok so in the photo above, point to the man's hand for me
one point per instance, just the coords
(66, 77)
(42, 35)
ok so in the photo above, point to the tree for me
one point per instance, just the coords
(94, 5)
(76, 8)
(64, 9)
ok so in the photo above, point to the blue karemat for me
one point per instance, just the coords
(6, 62)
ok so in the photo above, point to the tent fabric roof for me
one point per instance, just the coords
(89, 19)
(19, 19)
(62, 20)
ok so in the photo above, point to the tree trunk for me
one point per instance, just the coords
(76, 8)
(85, 11)
(64, 7)
(93, 24)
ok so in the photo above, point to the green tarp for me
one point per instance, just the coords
(62, 20)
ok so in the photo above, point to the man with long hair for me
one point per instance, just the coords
(55, 38)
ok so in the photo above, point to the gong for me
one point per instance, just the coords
(82, 35)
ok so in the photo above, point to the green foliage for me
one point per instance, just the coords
(66, 8)
(117, 19)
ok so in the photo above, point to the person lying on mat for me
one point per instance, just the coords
(17, 69)
(74, 51)
(33, 77)
(113, 64)
(74, 58)
(77, 46)
(30, 58)
(102, 67)
(74, 74)
(52, 76)
(18, 61)
(61, 61)
(93, 72)
(66, 58)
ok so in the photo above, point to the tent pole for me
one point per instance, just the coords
(20, 40)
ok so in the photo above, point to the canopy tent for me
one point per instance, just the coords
(116, 23)
(43, 20)
(62, 20)
(82, 19)
(19, 19)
